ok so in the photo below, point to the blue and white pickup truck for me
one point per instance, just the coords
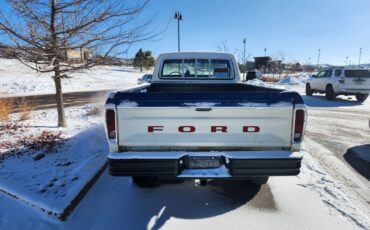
(196, 119)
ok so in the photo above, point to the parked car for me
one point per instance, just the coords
(340, 81)
(146, 78)
(196, 119)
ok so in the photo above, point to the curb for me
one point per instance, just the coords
(72, 205)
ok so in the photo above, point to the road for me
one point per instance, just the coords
(47, 101)
(339, 129)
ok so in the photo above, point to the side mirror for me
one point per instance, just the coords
(314, 75)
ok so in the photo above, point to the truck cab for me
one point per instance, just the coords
(196, 119)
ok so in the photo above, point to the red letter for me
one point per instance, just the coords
(186, 129)
(251, 129)
(222, 129)
(151, 129)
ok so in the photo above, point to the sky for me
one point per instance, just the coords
(295, 28)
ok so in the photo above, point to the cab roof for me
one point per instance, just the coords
(195, 55)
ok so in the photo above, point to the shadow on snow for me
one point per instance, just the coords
(321, 101)
(126, 206)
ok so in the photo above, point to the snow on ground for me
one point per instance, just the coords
(52, 182)
(295, 80)
(327, 194)
(17, 79)
(311, 200)
(318, 198)
(285, 83)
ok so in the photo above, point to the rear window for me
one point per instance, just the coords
(357, 73)
(196, 68)
(172, 68)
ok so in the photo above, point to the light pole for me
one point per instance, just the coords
(265, 51)
(244, 61)
(178, 17)
(359, 58)
(346, 61)
(318, 59)
(244, 42)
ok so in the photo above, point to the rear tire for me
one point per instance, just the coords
(329, 93)
(145, 182)
(259, 180)
(361, 97)
(309, 91)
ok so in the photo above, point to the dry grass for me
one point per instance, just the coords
(24, 142)
(270, 79)
(94, 110)
(6, 108)
(25, 109)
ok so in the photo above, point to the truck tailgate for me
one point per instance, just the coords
(204, 128)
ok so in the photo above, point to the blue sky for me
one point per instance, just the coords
(297, 28)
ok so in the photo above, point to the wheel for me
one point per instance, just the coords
(309, 91)
(329, 93)
(361, 97)
(145, 182)
(259, 180)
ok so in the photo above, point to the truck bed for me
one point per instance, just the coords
(221, 95)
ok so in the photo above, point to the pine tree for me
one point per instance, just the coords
(143, 60)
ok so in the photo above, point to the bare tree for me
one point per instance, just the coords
(224, 48)
(280, 56)
(248, 55)
(49, 29)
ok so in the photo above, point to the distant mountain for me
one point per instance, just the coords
(365, 65)
(322, 66)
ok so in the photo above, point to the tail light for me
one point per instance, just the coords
(298, 125)
(111, 123)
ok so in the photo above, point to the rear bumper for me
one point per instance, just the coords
(234, 164)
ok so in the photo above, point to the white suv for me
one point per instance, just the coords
(340, 81)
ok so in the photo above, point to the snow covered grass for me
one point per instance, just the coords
(45, 166)
(17, 79)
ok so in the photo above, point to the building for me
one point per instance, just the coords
(262, 63)
(78, 55)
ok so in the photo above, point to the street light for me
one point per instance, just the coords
(244, 61)
(265, 51)
(346, 61)
(318, 59)
(359, 57)
(178, 17)
(244, 42)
